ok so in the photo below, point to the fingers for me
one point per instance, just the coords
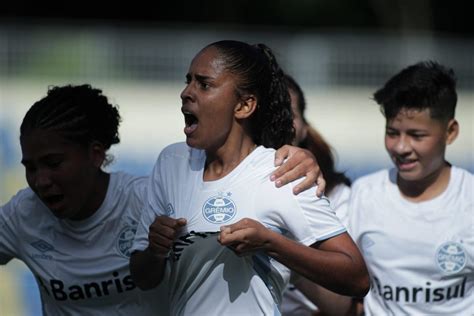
(286, 171)
(163, 231)
(237, 241)
(234, 233)
(159, 246)
(303, 185)
(180, 222)
(321, 182)
(300, 164)
(281, 154)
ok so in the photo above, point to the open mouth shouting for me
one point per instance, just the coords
(53, 202)
(191, 122)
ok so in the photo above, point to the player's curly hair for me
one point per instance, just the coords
(259, 74)
(81, 114)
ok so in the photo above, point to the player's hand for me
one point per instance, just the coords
(162, 234)
(300, 163)
(244, 237)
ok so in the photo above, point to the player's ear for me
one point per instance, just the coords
(97, 153)
(246, 106)
(452, 131)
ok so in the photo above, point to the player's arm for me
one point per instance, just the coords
(300, 163)
(328, 303)
(335, 263)
(147, 267)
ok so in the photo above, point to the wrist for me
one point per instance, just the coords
(272, 242)
(156, 256)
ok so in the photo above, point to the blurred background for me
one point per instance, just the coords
(340, 51)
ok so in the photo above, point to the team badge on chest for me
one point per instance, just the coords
(451, 257)
(219, 209)
(126, 236)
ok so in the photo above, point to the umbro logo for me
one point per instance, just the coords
(42, 246)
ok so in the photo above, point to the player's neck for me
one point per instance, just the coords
(97, 196)
(427, 188)
(222, 161)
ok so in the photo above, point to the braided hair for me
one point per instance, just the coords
(81, 114)
(258, 73)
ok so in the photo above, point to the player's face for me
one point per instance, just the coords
(62, 174)
(298, 123)
(417, 143)
(208, 101)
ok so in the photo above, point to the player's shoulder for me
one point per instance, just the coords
(180, 151)
(463, 174)
(126, 180)
(462, 182)
(263, 157)
(25, 196)
(374, 181)
(24, 204)
(123, 184)
(341, 190)
(175, 148)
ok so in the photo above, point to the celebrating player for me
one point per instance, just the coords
(227, 234)
(75, 224)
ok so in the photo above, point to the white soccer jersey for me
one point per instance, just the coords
(81, 266)
(295, 303)
(207, 278)
(419, 255)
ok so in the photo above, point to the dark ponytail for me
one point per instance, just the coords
(258, 73)
(274, 122)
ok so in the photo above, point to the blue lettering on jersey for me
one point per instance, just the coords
(426, 293)
(451, 257)
(219, 209)
(62, 291)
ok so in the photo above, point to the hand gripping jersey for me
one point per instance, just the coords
(419, 255)
(207, 278)
(81, 267)
(294, 302)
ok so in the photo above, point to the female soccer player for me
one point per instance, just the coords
(303, 297)
(75, 224)
(414, 222)
(228, 235)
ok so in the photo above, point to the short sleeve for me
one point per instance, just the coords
(339, 201)
(8, 237)
(153, 206)
(315, 219)
(353, 217)
(304, 217)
